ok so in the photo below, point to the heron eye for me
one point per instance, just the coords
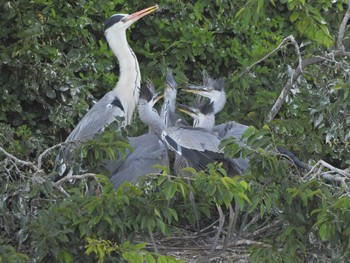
(123, 19)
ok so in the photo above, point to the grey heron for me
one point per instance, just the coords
(204, 117)
(214, 91)
(169, 102)
(119, 103)
(149, 150)
(197, 145)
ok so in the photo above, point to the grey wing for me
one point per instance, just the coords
(148, 152)
(193, 138)
(234, 129)
(230, 129)
(240, 164)
(103, 113)
(135, 142)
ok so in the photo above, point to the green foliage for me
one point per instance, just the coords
(54, 63)
(130, 253)
(9, 254)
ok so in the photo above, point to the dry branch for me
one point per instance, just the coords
(16, 160)
(296, 74)
(74, 177)
(342, 28)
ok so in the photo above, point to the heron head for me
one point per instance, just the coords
(170, 91)
(202, 116)
(204, 109)
(148, 95)
(191, 111)
(211, 89)
(124, 21)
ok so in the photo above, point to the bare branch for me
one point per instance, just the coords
(44, 153)
(18, 161)
(295, 75)
(153, 241)
(289, 38)
(217, 236)
(342, 28)
(73, 177)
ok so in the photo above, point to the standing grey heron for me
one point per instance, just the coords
(149, 150)
(119, 103)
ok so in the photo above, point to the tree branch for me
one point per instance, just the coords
(289, 38)
(342, 28)
(16, 160)
(72, 177)
(295, 75)
(42, 155)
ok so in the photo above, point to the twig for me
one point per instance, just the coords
(273, 225)
(342, 28)
(217, 236)
(233, 215)
(16, 160)
(206, 228)
(320, 164)
(72, 177)
(289, 38)
(42, 155)
(153, 242)
(339, 175)
(60, 188)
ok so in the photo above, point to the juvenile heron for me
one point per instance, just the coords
(119, 103)
(197, 145)
(204, 117)
(149, 150)
(169, 102)
(213, 89)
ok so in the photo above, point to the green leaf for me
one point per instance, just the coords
(294, 16)
(149, 258)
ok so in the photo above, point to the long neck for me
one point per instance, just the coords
(151, 118)
(206, 122)
(128, 86)
(219, 102)
(168, 107)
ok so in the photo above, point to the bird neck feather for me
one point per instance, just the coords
(128, 86)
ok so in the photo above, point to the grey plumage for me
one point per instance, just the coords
(149, 150)
(116, 105)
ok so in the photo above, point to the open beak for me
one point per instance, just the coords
(137, 15)
(158, 97)
(187, 110)
(196, 89)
